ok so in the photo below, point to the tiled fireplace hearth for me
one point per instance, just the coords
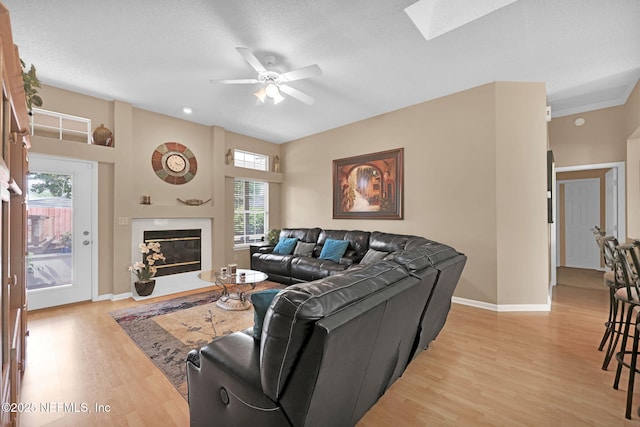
(188, 244)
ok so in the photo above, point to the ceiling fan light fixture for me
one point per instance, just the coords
(272, 90)
(271, 80)
(277, 98)
(261, 94)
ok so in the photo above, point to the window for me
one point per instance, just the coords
(251, 211)
(60, 126)
(244, 159)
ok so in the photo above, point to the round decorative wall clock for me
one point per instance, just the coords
(174, 163)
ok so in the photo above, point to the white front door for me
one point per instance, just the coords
(582, 213)
(60, 240)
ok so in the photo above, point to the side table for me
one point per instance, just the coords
(234, 300)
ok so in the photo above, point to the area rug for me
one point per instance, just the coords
(166, 331)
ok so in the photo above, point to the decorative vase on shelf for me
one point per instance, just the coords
(102, 136)
(145, 287)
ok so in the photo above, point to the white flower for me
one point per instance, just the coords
(146, 270)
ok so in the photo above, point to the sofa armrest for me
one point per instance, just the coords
(267, 249)
(351, 259)
(224, 385)
(346, 261)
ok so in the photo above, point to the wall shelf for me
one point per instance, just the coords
(172, 211)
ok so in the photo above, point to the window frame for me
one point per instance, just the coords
(237, 153)
(244, 212)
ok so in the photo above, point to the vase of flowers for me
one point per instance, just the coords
(146, 269)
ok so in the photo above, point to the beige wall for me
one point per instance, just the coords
(633, 163)
(632, 112)
(608, 135)
(475, 178)
(100, 111)
(461, 157)
(521, 188)
(149, 131)
(602, 139)
(125, 174)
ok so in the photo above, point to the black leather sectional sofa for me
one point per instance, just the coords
(331, 345)
(292, 268)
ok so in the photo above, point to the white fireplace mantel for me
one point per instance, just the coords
(166, 285)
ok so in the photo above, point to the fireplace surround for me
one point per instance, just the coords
(176, 281)
(181, 249)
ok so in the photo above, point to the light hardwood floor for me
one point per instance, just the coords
(485, 368)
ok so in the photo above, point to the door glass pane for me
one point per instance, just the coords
(49, 220)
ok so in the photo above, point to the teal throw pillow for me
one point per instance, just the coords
(285, 246)
(261, 301)
(334, 249)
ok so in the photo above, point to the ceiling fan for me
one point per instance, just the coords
(273, 83)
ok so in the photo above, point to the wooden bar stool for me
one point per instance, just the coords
(613, 281)
(629, 299)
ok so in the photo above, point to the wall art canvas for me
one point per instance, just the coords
(369, 186)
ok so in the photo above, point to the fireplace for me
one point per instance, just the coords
(176, 278)
(181, 249)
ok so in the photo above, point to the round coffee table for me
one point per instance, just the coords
(234, 300)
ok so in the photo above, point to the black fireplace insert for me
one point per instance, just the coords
(181, 248)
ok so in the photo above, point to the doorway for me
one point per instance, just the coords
(579, 212)
(61, 211)
(615, 207)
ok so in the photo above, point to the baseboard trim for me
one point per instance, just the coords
(112, 297)
(121, 296)
(502, 307)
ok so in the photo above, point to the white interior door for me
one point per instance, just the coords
(60, 211)
(582, 213)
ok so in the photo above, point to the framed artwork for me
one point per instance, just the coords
(369, 186)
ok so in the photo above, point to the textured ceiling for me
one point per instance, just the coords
(160, 55)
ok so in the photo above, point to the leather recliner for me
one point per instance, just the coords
(329, 348)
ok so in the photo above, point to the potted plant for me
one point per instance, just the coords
(145, 270)
(273, 236)
(31, 86)
(65, 242)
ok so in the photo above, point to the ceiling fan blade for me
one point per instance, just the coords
(251, 59)
(236, 81)
(302, 73)
(295, 93)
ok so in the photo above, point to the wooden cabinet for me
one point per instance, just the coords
(14, 142)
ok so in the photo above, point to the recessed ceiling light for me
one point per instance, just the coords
(579, 121)
(187, 110)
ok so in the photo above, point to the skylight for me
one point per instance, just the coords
(436, 17)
